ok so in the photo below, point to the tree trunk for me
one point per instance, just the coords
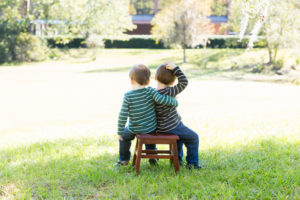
(184, 56)
(269, 50)
(27, 7)
(270, 53)
(268, 47)
(275, 53)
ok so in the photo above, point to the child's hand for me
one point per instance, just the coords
(120, 137)
(170, 65)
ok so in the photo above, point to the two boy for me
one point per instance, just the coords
(152, 110)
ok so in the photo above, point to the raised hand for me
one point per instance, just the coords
(170, 65)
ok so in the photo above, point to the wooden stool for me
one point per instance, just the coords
(156, 138)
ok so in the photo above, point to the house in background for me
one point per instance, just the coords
(143, 12)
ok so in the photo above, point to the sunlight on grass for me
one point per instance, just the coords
(58, 130)
(83, 169)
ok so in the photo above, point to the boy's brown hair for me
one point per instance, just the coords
(164, 75)
(140, 73)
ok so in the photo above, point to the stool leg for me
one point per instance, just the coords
(175, 156)
(138, 159)
(172, 152)
(134, 155)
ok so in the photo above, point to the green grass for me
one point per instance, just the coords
(233, 64)
(82, 169)
(57, 138)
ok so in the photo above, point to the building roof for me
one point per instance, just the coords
(146, 19)
(218, 19)
(142, 19)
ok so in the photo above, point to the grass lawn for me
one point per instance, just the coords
(58, 123)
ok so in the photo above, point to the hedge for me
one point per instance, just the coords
(146, 43)
(151, 43)
(72, 43)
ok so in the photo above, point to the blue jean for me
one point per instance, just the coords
(191, 140)
(125, 144)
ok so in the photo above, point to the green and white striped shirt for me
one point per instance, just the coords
(139, 106)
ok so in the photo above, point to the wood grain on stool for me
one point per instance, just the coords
(156, 138)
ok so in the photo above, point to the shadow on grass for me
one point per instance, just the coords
(199, 61)
(80, 169)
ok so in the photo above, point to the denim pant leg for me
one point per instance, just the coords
(150, 146)
(125, 144)
(180, 150)
(191, 141)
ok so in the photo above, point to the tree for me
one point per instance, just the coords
(184, 23)
(85, 17)
(277, 20)
(219, 7)
(281, 27)
(69, 18)
(12, 23)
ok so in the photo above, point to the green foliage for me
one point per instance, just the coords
(68, 18)
(219, 8)
(54, 54)
(68, 43)
(278, 64)
(151, 43)
(179, 24)
(258, 68)
(147, 42)
(29, 48)
(82, 18)
(15, 43)
(297, 60)
(141, 7)
(277, 20)
(184, 23)
(235, 20)
(134, 43)
(3, 52)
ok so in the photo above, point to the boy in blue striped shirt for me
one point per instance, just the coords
(139, 107)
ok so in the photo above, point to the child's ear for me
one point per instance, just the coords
(148, 82)
(131, 81)
(172, 83)
(155, 77)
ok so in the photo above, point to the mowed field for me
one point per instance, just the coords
(58, 132)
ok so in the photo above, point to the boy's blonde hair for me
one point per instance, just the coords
(140, 73)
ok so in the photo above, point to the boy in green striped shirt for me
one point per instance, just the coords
(139, 106)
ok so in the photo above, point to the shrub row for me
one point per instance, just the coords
(150, 43)
(146, 43)
(22, 47)
(71, 43)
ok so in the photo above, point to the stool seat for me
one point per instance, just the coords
(162, 136)
(156, 138)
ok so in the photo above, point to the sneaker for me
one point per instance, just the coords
(153, 162)
(121, 163)
(192, 166)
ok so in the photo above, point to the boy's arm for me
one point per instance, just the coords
(123, 116)
(164, 99)
(182, 82)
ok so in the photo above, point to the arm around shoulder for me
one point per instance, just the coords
(164, 99)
